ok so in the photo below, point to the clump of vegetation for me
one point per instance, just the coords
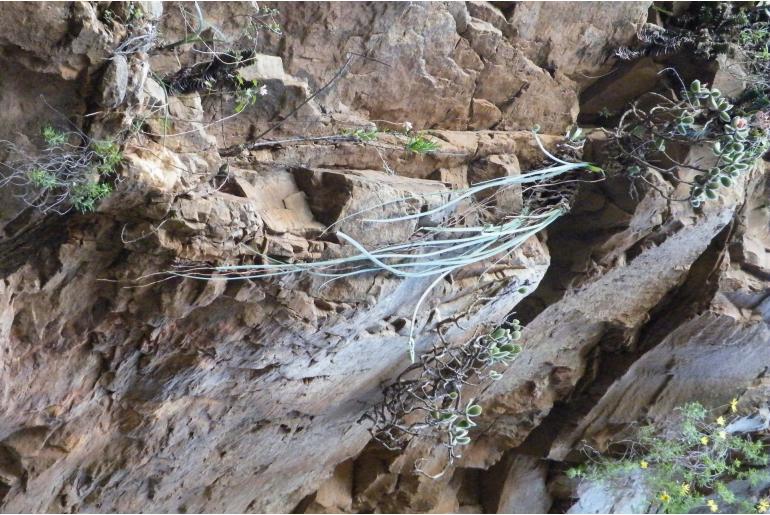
(735, 129)
(644, 137)
(53, 137)
(420, 144)
(87, 194)
(688, 465)
(435, 250)
(427, 399)
(64, 175)
(141, 32)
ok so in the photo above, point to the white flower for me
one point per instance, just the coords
(407, 126)
(263, 91)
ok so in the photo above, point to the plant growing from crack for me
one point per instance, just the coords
(740, 29)
(434, 251)
(643, 139)
(688, 464)
(247, 93)
(363, 135)
(64, 175)
(427, 400)
(218, 73)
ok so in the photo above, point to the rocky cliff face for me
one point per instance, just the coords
(180, 395)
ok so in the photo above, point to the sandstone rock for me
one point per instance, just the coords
(483, 37)
(600, 498)
(489, 13)
(263, 67)
(114, 82)
(484, 114)
(577, 42)
(611, 96)
(153, 10)
(731, 77)
(126, 387)
(524, 489)
(672, 375)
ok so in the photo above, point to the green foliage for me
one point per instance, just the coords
(84, 196)
(63, 175)
(135, 12)
(264, 19)
(606, 113)
(362, 134)
(737, 133)
(687, 466)
(247, 93)
(42, 179)
(737, 148)
(420, 144)
(707, 29)
(702, 116)
(53, 137)
(109, 156)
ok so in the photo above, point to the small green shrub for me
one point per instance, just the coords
(85, 195)
(247, 92)
(42, 179)
(687, 466)
(703, 116)
(53, 137)
(109, 154)
(420, 144)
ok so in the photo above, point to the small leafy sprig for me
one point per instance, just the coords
(247, 92)
(737, 149)
(361, 134)
(420, 144)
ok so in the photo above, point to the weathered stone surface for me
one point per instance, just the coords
(602, 498)
(664, 378)
(43, 38)
(174, 394)
(484, 114)
(525, 489)
(576, 42)
(114, 82)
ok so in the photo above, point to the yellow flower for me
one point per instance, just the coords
(734, 405)
(704, 440)
(684, 489)
(664, 496)
(711, 503)
(720, 420)
(763, 506)
(643, 464)
(722, 435)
